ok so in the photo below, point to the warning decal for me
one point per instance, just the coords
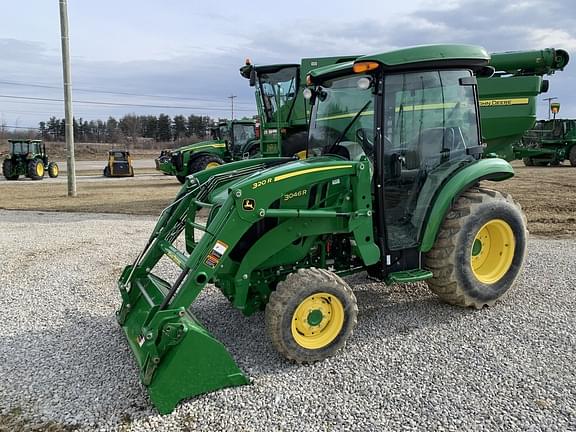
(216, 253)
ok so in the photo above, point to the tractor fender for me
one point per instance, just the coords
(494, 169)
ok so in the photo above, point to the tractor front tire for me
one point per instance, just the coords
(106, 171)
(7, 169)
(36, 169)
(572, 156)
(53, 170)
(528, 161)
(181, 179)
(204, 162)
(310, 315)
(480, 249)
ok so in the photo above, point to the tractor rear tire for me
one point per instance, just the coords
(106, 171)
(480, 249)
(181, 179)
(7, 170)
(36, 169)
(310, 315)
(53, 170)
(204, 162)
(528, 161)
(294, 144)
(572, 156)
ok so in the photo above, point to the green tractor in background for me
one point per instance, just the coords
(394, 185)
(230, 141)
(28, 158)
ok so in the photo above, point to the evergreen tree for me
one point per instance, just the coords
(164, 127)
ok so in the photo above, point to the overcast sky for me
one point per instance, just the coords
(187, 53)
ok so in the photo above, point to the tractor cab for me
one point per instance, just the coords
(239, 137)
(119, 164)
(283, 111)
(416, 128)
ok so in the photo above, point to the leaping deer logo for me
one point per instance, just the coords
(248, 204)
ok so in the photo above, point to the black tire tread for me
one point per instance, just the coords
(441, 257)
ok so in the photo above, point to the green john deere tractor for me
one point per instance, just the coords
(394, 185)
(550, 142)
(231, 140)
(28, 158)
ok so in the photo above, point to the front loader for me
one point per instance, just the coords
(393, 186)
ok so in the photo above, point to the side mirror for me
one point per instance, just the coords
(252, 78)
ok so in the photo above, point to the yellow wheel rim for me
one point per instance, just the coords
(317, 320)
(40, 169)
(212, 165)
(492, 251)
(54, 170)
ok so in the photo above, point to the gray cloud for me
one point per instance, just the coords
(210, 73)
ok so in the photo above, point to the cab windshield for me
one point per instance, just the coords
(22, 148)
(243, 133)
(278, 91)
(342, 121)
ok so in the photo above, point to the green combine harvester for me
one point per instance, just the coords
(507, 99)
(231, 140)
(394, 185)
(550, 142)
(28, 158)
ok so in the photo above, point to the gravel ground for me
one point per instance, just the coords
(413, 363)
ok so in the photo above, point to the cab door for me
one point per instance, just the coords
(429, 124)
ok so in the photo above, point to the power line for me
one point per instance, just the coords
(3, 126)
(23, 84)
(122, 104)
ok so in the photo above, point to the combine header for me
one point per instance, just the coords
(391, 186)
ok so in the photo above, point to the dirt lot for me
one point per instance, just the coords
(547, 195)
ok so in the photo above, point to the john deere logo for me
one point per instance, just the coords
(248, 204)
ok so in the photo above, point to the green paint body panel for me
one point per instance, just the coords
(177, 162)
(551, 141)
(493, 169)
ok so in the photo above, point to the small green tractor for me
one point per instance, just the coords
(551, 142)
(231, 140)
(394, 185)
(119, 164)
(28, 158)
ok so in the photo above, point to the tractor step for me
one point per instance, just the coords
(409, 276)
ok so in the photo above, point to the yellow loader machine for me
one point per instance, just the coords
(394, 185)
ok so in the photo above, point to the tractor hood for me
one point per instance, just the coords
(200, 145)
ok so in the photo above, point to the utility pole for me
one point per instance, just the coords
(70, 161)
(550, 99)
(232, 97)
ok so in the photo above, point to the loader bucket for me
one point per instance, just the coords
(178, 358)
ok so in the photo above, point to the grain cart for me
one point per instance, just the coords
(119, 164)
(392, 187)
(551, 142)
(282, 109)
(28, 158)
(230, 141)
(508, 99)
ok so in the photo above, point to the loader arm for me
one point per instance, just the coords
(170, 345)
